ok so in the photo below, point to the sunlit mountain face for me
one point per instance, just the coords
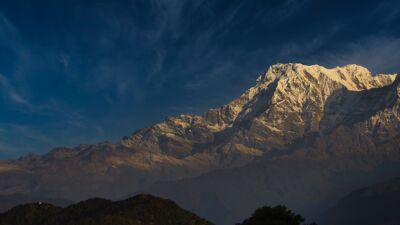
(222, 107)
(82, 72)
(302, 136)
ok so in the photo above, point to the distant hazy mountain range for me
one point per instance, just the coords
(302, 136)
(373, 205)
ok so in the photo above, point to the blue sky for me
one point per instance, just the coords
(76, 72)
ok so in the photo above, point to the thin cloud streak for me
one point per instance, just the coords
(379, 54)
(12, 94)
(114, 62)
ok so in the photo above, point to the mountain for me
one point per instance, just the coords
(139, 210)
(301, 136)
(323, 133)
(308, 186)
(374, 205)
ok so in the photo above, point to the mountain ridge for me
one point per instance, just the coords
(293, 112)
(375, 204)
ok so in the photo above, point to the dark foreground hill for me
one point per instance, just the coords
(9, 201)
(138, 210)
(374, 205)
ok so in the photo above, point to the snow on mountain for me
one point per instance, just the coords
(289, 105)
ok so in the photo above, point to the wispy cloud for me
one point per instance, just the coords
(386, 11)
(183, 55)
(284, 11)
(379, 54)
(212, 74)
(9, 37)
(19, 138)
(24, 105)
(11, 93)
(168, 18)
(8, 32)
(157, 65)
(65, 61)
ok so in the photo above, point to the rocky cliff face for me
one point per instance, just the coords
(292, 111)
(322, 133)
(289, 102)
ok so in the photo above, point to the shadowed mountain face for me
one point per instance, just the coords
(308, 186)
(301, 136)
(139, 210)
(376, 204)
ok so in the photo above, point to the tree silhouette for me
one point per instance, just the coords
(278, 215)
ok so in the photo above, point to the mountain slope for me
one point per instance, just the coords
(293, 112)
(139, 210)
(348, 141)
(373, 205)
(306, 185)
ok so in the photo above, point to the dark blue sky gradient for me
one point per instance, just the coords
(86, 71)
